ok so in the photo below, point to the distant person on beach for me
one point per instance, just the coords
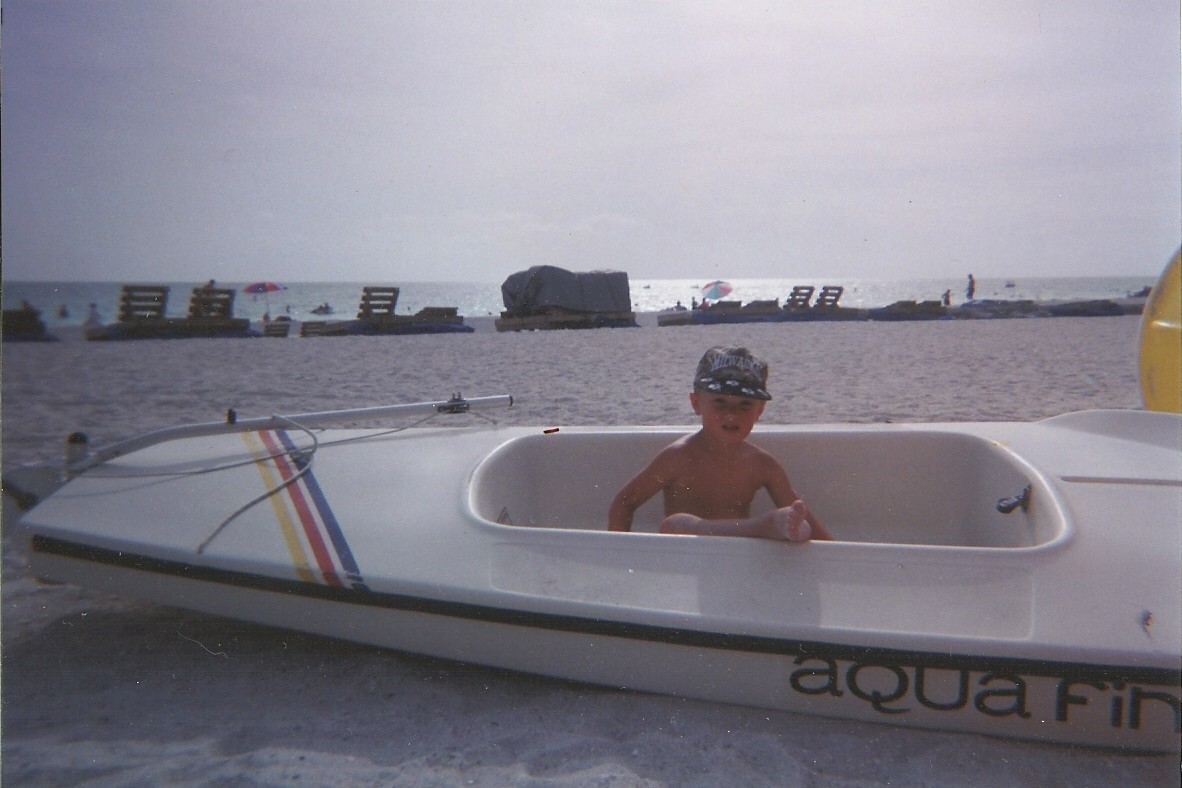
(947, 298)
(710, 478)
(971, 289)
(93, 318)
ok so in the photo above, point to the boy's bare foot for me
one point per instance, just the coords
(790, 523)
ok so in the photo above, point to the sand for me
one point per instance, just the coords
(107, 691)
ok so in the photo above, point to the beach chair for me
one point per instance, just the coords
(313, 328)
(377, 302)
(829, 296)
(726, 305)
(142, 302)
(443, 313)
(329, 328)
(799, 297)
(211, 302)
(277, 328)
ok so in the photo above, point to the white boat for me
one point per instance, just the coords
(1013, 579)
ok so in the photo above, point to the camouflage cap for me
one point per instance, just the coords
(732, 370)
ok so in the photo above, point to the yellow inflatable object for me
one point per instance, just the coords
(1161, 342)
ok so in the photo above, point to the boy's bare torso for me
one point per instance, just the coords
(713, 484)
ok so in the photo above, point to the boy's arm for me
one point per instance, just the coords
(780, 489)
(637, 491)
(776, 483)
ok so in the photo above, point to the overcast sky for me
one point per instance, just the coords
(413, 141)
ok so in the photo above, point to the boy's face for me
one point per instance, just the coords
(725, 416)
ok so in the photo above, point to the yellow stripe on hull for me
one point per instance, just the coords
(291, 534)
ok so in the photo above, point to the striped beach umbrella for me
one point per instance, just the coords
(716, 290)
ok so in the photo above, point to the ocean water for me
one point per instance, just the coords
(66, 303)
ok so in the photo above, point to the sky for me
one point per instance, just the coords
(347, 140)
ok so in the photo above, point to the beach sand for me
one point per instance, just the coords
(108, 691)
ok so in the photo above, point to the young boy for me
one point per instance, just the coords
(710, 478)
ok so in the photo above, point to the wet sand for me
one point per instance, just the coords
(101, 690)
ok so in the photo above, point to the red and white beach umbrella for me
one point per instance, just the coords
(264, 289)
(716, 290)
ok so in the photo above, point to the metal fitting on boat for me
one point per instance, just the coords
(457, 404)
(77, 450)
(1022, 499)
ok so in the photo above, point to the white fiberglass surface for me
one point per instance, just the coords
(905, 487)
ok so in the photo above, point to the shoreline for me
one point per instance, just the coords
(988, 309)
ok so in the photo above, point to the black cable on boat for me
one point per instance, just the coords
(304, 468)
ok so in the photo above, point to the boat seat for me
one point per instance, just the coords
(799, 297)
(142, 302)
(211, 302)
(377, 302)
(829, 296)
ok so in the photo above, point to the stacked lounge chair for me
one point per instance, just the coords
(24, 325)
(796, 308)
(375, 316)
(142, 315)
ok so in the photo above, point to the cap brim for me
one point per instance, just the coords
(731, 387)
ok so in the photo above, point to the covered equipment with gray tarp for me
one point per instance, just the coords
(546, 296)
(542, 288)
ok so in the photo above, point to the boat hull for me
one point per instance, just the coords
(972, 620)
(1105, 705)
